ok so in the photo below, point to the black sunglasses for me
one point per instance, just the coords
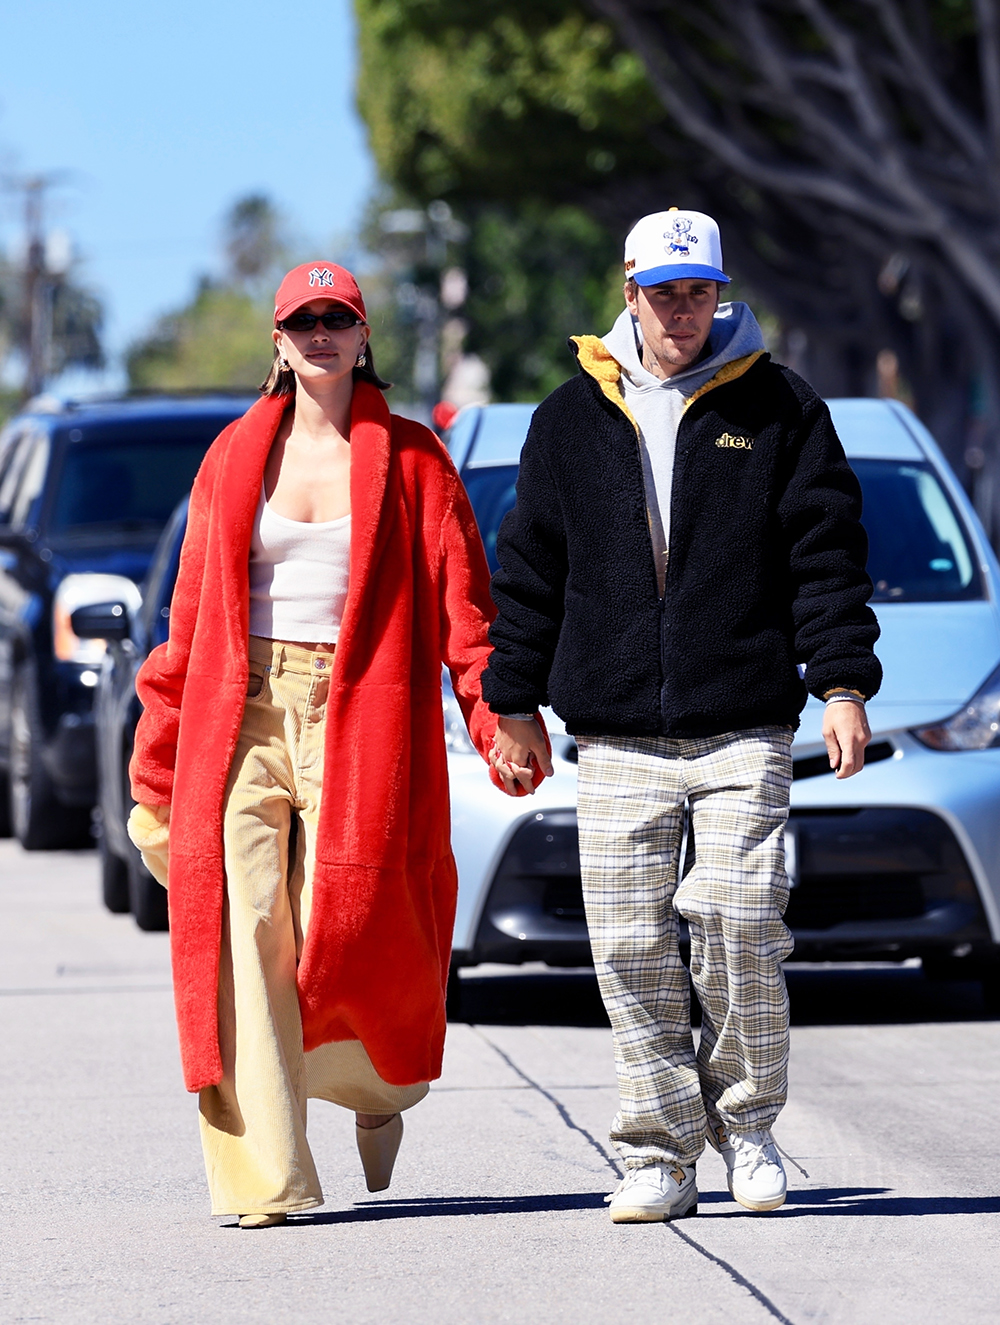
(339, 320)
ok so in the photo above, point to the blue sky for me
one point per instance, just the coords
(162, 115)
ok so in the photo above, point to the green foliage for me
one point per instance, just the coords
(518, 116)
(536, 276)
(497, 100)
(221, 339)
(76, 326)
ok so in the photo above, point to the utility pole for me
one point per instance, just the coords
(37, 287)
(40, 277)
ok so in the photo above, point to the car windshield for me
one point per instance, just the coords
(129, 476)
(919, 551)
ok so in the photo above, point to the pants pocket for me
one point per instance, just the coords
(255, 682)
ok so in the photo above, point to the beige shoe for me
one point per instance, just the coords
(262, 1221)
(378, 1148)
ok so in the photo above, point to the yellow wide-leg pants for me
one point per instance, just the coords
(253, 1124)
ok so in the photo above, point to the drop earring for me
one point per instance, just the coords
(283, 365)
(361, 360)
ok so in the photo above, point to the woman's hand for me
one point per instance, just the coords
(149, 828)
(518, 749)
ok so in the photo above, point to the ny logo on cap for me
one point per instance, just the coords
(321, 278)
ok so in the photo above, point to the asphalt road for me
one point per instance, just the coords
(496, 1212)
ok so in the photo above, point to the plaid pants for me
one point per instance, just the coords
(632, 792)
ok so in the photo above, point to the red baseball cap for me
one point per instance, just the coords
(317, 280)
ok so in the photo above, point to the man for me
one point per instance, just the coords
(684, 546)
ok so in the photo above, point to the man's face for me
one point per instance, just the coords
(676, 319)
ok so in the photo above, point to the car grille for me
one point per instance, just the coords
(534, 911)
(862, 872)
(869, 882)
(815, 766)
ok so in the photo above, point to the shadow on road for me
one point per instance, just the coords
(820, 996)
(436, 1207)
(821, 1201)
(857, 1201)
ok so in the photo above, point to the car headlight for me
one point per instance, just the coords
(456, 734)
(974, 727)
(83, 591)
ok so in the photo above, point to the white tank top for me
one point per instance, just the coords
(298, 576)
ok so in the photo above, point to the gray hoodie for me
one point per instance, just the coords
(657, 405)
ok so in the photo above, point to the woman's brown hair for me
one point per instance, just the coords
(281, 381)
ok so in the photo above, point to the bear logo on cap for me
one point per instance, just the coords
(681, 237)
(321, 278)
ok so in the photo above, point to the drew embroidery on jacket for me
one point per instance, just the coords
(736, 443)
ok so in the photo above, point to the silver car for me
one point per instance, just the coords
(900, 861)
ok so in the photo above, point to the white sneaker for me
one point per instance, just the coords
(756, 1175)
(654, 1193)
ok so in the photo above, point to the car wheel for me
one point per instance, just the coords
(6, 828)
(453, 996)
(114, 879)
(38, 821)
(147, 898)
(990, 982)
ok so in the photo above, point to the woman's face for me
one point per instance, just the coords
(319, 354)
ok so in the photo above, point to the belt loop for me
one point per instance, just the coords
(277, 660)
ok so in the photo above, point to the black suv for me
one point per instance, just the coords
(85, 492)
(130, 633)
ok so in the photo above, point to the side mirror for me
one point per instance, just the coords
(108, 621)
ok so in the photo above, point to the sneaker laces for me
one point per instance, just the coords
(629, 1180)
(794, 1162)
(633, 1176)
(780, 1149)
(754, 1150)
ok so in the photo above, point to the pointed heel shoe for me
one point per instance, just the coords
(378, 1148)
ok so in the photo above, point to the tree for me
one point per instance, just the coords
(865, 137)
(75, 319)
(491, 100)
(253, 243)
(511, 115)
(849, 148)
(535, 274)
(531, 272)
(222, 337)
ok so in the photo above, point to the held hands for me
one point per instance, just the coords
(846, 733)
(518, 750)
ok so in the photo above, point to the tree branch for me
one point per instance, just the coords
(892, 200)
(922, 79)
(989, 71)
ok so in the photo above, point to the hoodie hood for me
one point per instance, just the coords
(735, 335)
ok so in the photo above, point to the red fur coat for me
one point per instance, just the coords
(375, 962)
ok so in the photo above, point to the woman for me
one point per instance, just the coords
(292, 750)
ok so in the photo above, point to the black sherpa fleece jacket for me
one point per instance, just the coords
(766, 562)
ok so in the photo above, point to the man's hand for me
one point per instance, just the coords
(846, 733)
(518, 749)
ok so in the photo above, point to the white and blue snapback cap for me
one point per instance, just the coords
(674, 246)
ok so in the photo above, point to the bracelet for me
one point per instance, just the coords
(843, 698)
(843, 690)
(518, 717)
